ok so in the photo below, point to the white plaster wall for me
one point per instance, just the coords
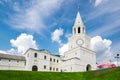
(85, 55)
(72, 41)
(55, 64)
(12, 65)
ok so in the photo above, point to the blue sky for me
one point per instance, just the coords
(47, 24)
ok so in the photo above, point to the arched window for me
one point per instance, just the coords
(54, 60)
(45, 57)
(50, 59)
(56, 69)
(35, 55)
(78, 29)
(57, 61)
(44, 66)
(50, 68)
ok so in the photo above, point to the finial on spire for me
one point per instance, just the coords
(78, 8)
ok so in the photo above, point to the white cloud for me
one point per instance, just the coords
(97, 2)
(11, 51)
(16, 7)
(4, 52)
(102, 47)
(63, 49)
(67, 35)
(55, 36)
(22, 43)
(105, 8)
(31, 15)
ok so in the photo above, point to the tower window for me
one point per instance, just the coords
(45, 57)
(35, 55)
(78, 29)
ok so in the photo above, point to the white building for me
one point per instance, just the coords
(79, 57)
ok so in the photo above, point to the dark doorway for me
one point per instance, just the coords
(34, 68)
(88, 67)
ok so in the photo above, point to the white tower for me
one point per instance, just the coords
(79, 56)
(79, 37)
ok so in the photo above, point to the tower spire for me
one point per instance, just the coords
(78, 19)
(78, 25)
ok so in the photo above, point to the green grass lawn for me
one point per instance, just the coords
(107, 74)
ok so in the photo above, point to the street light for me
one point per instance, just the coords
(117, 57)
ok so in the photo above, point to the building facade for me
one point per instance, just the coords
(79, 56)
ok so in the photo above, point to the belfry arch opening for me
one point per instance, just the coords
(88, 67)
(34, 68)
(78, 29)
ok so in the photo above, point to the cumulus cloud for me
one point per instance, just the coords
(55, 36)
(67, 35)
(102, 47)
(22, 43)
(63, 49)
(1, 51)
(97, 2)
(31, 15)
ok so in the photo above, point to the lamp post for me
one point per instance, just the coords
(117, 57)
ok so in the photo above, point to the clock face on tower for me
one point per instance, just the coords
(79, 42)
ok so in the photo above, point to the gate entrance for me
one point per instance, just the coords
(34, 68)
(88, 67)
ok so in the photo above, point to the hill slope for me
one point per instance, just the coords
(108, 74)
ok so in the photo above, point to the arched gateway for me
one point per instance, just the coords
(88, 67)
(34, 68)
